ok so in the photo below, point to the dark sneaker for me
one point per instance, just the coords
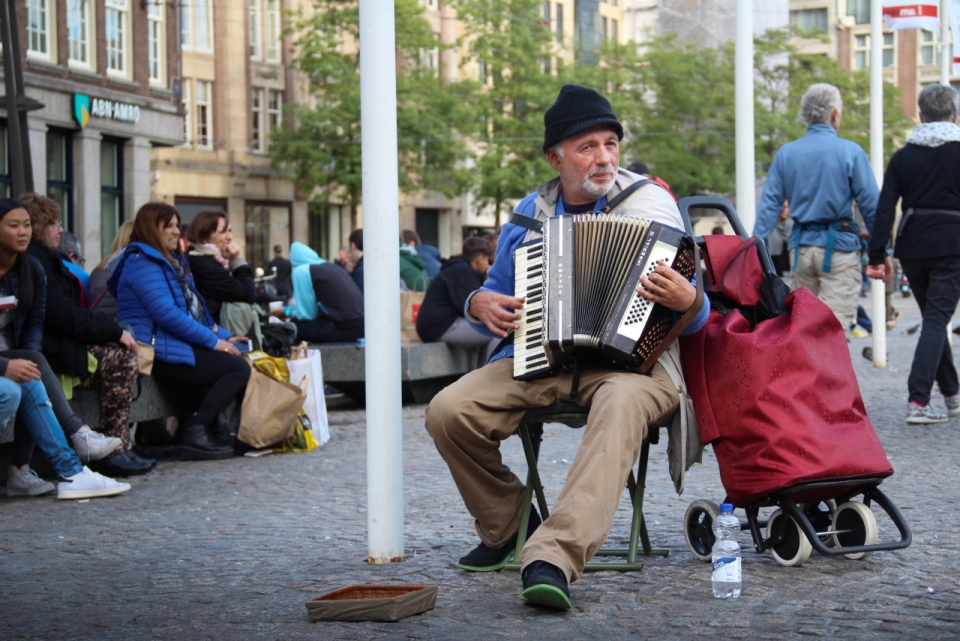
(545, 584)
(484, 558)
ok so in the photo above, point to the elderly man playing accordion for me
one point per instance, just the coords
(470, 418)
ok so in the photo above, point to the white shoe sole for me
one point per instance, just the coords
(926, 421)
(64, 495)
(39, 491)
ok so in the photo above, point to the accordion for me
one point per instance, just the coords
(579, 281)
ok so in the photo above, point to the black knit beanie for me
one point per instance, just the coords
(577, 109)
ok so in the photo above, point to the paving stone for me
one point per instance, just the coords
(232, 549)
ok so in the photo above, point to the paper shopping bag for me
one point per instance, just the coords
(305, 363)
(269, 411)
(145, 358)
(410, 303)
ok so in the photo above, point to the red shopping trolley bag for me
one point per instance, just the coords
(772, 383)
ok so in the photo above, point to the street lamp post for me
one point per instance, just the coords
(746, 169)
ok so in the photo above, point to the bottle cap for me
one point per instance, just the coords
(726, 508)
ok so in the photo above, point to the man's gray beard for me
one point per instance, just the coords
(595, 190)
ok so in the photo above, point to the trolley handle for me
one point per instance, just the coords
(725, 206)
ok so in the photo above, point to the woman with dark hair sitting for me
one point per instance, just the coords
(196, 361)
(223, 277)
(86, 349)
(23, 293)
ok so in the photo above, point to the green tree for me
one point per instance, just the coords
(677, 103)
(321, 149)
(509, 43)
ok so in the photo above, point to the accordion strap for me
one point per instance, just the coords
(626, 193)
(527, 222)
(684, 321)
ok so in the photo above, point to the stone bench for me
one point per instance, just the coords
(425, 368)
(86, 403)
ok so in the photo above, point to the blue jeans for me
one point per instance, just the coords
(9, 398)
(37, 413)
(936, 286)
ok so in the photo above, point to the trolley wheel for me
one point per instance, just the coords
(698, 528)
(795, 549)
(822, 519)
(858, 526)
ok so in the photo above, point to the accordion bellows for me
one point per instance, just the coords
(580, 284)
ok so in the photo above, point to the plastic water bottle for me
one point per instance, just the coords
(727, 578)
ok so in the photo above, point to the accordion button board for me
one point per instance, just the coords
(580, 283)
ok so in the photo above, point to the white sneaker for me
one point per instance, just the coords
(926, 415)
(952, 403)
(22, 481)
(87, 484)
(93, 446)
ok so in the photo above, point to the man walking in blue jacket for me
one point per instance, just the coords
(820, 175)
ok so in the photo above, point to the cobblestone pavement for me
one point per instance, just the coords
(232, 549)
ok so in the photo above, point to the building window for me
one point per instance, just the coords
(187, 112)
(256, 119)
(430, 4)
(155, 41)
(275, 110)
(111, 191)
(6, 178)
(60, 174)
(195, 27)
(204, 117)
(267, 224)
(559, 13)
(861, 51)
(430, 59)
(116, 30)
(273, 30)
(814, 20)
(613, 30)
(256, 29)
(605, 28)
(860, 10)
(38, 27)
(78, 35)
(930, 48)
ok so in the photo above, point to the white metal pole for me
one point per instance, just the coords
(746, 168)
(878, 292)
(876, 162)
(946, 55)
(378, 116)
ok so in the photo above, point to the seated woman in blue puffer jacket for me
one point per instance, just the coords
(197, 363)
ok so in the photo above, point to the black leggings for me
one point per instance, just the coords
(204, 388)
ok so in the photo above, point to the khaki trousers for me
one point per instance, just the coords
(839, 288)
(468, 419)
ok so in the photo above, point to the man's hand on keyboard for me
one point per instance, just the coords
(669, 288)
(488, 308)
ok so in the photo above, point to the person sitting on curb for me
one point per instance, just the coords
(21, 331)
(328, 305)
(196, 363)
(441, 315)
(86, 349)
(101, 300)
(428, 253)
(223, 276)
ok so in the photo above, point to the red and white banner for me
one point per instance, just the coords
(903, 14)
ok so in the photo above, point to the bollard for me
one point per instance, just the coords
(878, 293)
